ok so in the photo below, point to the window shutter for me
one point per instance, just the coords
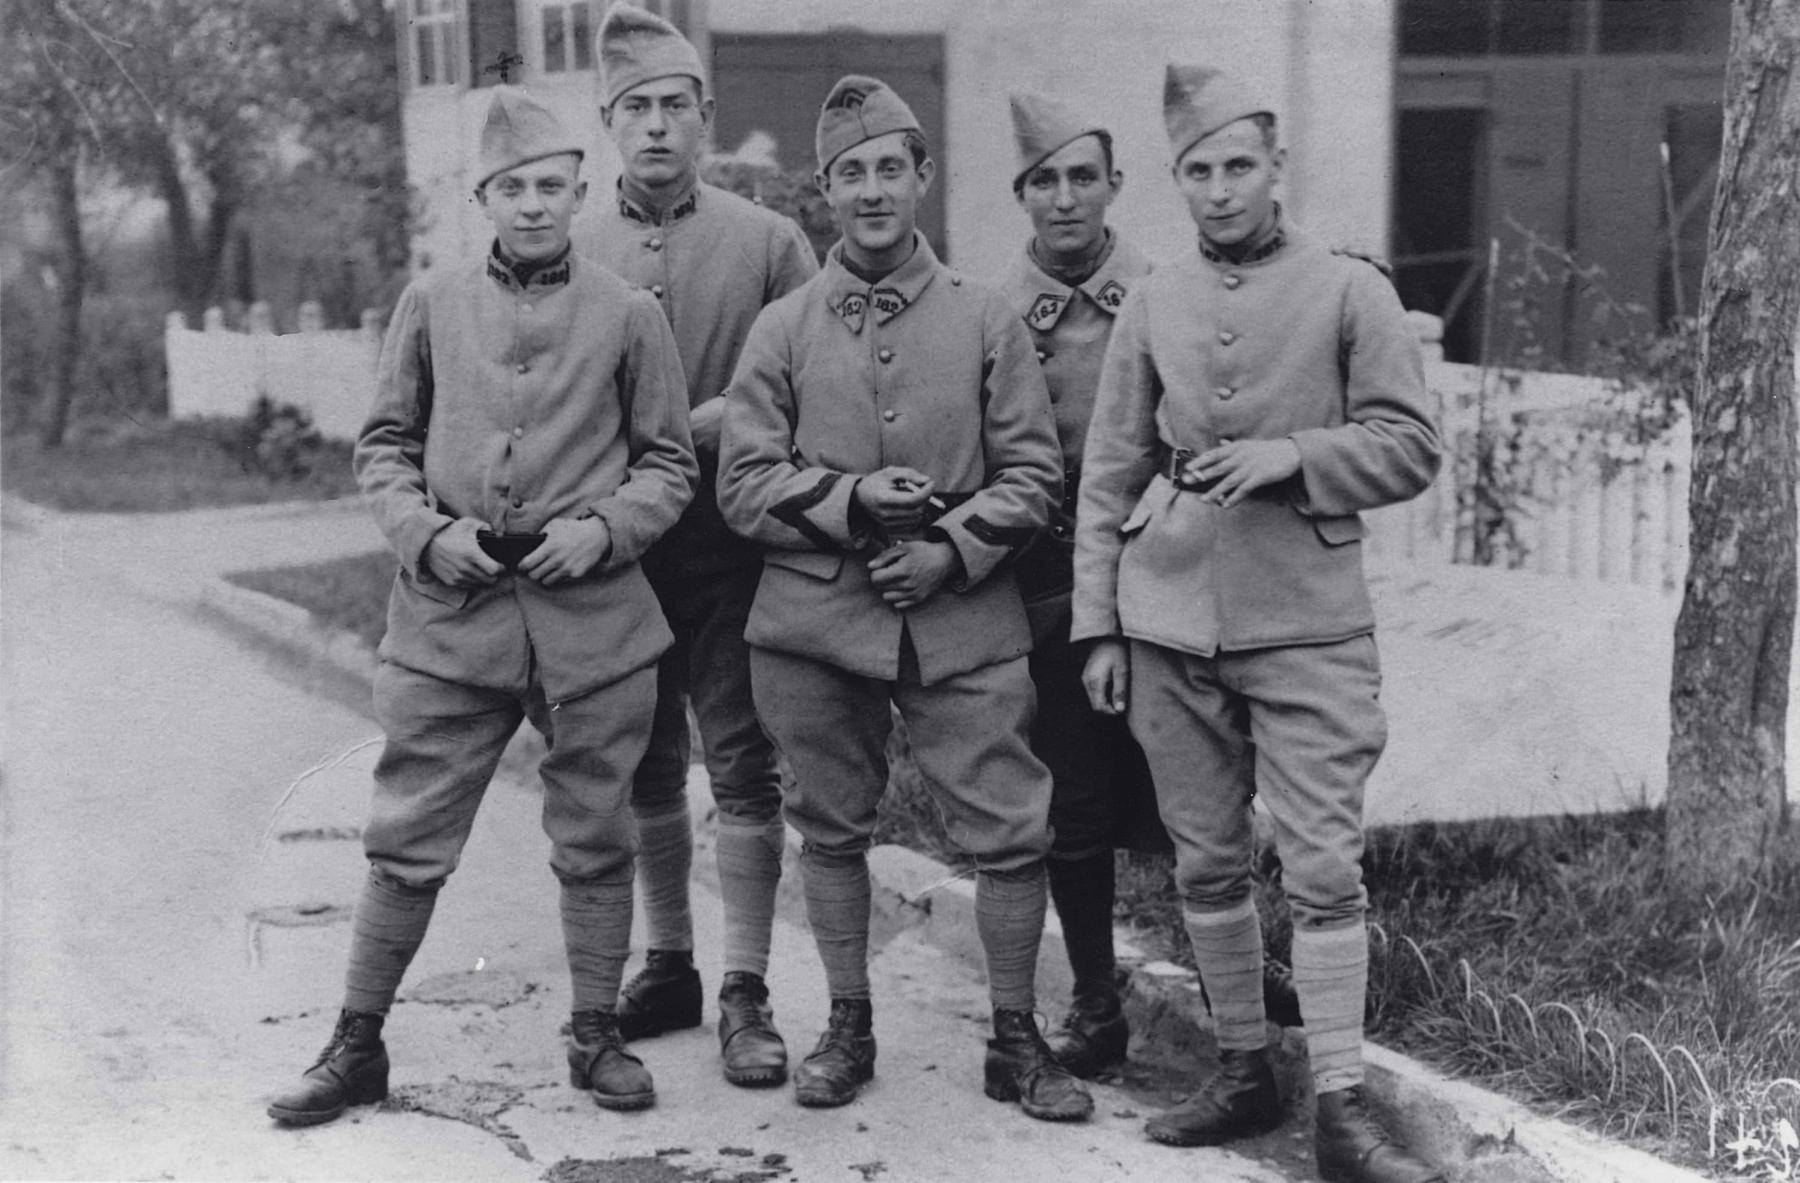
(494, 55)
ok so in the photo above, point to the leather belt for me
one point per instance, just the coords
(1172, 464)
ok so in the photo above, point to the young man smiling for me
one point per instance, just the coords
(528, 441)
(888, 439)
(1257, 395)
(712, 260)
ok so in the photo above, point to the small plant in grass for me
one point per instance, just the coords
(349, 593)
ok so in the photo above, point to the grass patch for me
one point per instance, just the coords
(164, 465)
(350, 593)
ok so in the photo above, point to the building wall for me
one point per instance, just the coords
(1329, 70)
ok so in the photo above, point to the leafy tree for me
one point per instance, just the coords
(1734, 637)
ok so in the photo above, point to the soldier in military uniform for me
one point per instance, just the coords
(712, 259)
(1258, 394)
(889, 440)
(528, 442)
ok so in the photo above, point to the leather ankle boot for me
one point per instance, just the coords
(664, 996)
(1093, 1034)
(754, 1054)
(1352, 1147)
(843, 1061)
(352, 1070)
(600, 1063)
(1235, 1102)
(1021, 1068)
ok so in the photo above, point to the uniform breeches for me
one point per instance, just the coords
(968, 735)
(1103, 797)
(709, 664)
(444, 740)
(1302, 725)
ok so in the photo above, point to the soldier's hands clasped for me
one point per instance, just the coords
(571, 548)
(455, 558)
(909, 573)
(1241, 467)
(895, 497)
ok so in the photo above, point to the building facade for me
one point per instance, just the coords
(1423, 129)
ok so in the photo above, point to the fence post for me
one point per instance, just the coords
(312, 317)
(371, 325)
(262, 320)
(213, 320)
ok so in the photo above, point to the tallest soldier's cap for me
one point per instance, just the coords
(519, 130)
(1042, 126)
(635, 47)
(1200, 100)
(859, 108)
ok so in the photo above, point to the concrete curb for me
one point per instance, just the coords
(1476, 1135)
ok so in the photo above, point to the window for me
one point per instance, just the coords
(568, 36)
(1541, 28)
(433, 38)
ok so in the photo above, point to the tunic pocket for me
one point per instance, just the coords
(1337, 531)
(816, 564)
(442, 593)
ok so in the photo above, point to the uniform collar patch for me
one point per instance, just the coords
(889, 297)
(523, 277)
(1045, 311)
(637, 213)
(1110, 295)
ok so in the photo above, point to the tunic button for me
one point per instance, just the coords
(654, 244)
(1042, 355)
(890, 416)
(886, 355)
(1226, 338)
(1224, 392)
(518, 433)
(656, 289)
(1231, 281)
(524, 367)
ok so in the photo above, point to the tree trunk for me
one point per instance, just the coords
(186, 262)
(1734, 637)
(71, 293)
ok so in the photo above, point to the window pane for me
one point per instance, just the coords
(583, 34)
(427, 60)
(1537, 27)
(1439, 28)
(555, 50)
(1664, 26)
(446, 40)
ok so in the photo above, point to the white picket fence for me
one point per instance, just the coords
(1626, 525)
(1586, 508)
(330, 373)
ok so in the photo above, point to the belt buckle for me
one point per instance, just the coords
(1178, 462)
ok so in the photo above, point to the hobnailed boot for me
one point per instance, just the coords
(1235, 1102)
(1281, 1002)
(1352, 1147)
(843, 1061)
(754, 1054)
(1093, 1035)
(664, 996)
(352, 1070)
(1020, 1067)
(600, 1063)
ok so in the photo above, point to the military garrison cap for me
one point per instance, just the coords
(1200, 100)
(859, 108)
(1043, 125)
(519, 130)
(635, 47)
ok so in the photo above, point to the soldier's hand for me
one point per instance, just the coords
(571, 548)
(455, 559)
(1244, 466)
(895, 496)
(704, 424)
(909, 573)
(1107, 676)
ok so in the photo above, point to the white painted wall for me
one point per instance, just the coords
(1328, 67)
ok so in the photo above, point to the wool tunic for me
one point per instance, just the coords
(713, 261)
(1302, 344)
(927, 369)
(517, 404)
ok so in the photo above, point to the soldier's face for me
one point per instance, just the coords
(874, 190)
(1228, 180)
(659, 127)
(1066, 195)
(531, 206)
